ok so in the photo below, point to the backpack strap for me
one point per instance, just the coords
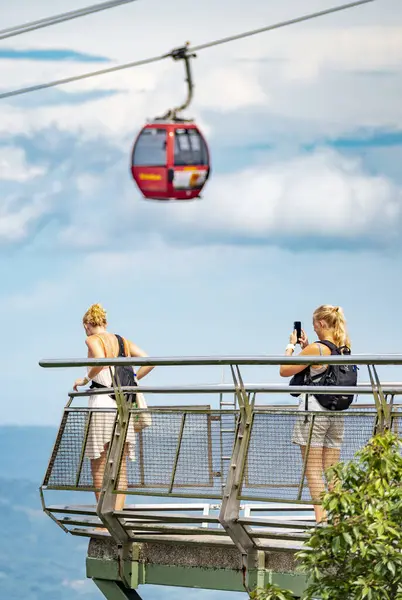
(333, 347)
(122, 350)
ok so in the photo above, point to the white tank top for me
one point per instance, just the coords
(319, 369)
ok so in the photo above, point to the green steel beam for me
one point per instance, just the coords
(294, 582)
(106, 572)
(98, 568)
(225, 580)
(112, 590)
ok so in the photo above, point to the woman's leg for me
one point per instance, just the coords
(98, 469)
(330, 457)
(315, 478)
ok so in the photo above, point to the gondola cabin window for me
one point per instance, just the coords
(150, 149)
(189, 148)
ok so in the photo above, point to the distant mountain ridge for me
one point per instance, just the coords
(37, 560)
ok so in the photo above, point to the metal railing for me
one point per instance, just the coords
(178, 452)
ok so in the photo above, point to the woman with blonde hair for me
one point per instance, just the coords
(102, 344)
(328, 431)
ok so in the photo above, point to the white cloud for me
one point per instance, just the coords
(293, 84)
(322, 197)
(218, 85)
(17, 217)
(314, 196)
(14, 167)
(80, 586)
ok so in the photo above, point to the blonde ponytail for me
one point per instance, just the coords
(335, 320)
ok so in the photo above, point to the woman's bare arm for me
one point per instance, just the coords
(310, 350)
(137, 351)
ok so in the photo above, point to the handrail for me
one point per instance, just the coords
(355, 359)
(262, 388)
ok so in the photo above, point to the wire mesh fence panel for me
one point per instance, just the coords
(81, 438)
(276, 467)
(178, 454)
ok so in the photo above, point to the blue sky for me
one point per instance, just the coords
(304, 205)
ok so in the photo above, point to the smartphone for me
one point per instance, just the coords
(297, 328)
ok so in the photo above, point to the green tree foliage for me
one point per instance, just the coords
(271, 592)
(358, 554)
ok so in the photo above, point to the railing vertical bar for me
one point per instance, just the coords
(244, 462)
(176, 459)
(210, 451)
(306, 456)
(84, 445)
(141, 457)
(221, 440)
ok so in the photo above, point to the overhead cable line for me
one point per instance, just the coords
(68, 16)
(146, 61)
(240, 36)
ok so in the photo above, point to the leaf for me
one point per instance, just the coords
(358, 555)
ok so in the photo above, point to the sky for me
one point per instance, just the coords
(303, 206)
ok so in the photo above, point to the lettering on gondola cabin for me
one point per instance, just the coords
(150, 176)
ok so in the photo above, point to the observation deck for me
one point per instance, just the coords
(248, 507)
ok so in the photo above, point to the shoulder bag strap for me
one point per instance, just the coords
(102, 341)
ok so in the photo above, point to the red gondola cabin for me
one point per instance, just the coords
(170, 160)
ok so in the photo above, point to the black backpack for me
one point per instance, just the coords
(336, 375)
(124, 376)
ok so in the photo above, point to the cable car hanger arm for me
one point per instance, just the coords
(183, 54)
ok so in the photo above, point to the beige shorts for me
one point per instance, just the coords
(328, 428)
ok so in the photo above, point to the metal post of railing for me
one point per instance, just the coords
(383, 409)
(230, 508)
(108, 497)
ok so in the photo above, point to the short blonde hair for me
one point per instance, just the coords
(95, 315)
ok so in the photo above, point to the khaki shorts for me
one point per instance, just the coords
(328, 428)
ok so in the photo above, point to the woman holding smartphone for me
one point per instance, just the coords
(328, 431)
